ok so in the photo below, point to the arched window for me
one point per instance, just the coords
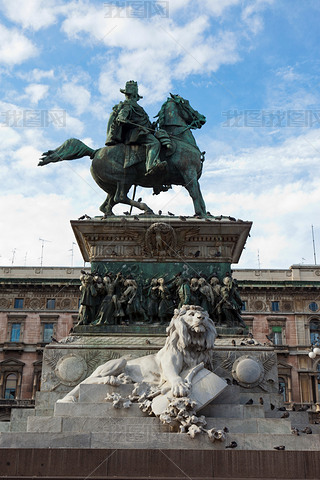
(314, 331)
(283, 388)
(10, 387)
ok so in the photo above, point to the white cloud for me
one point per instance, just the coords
(153, 52)
(36, 75)
(35, 14)
(15, 48)
(76, 95)
(36, 92)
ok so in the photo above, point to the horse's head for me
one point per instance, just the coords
(178, 111)
(189, 114)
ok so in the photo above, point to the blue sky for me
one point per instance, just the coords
(251, 67)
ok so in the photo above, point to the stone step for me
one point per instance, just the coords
(296, 418)
(250, 425)
(103, 410)
(136, 440)
(4, 426)
(19, 417)
(233, 411)
(149, 425)
(117, 426)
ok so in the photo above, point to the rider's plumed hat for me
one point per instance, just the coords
(131, 88)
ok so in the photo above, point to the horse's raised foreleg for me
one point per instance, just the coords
(121, 196)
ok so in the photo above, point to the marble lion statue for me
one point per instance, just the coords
(191, 336)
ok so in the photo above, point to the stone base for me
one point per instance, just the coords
(155, 464)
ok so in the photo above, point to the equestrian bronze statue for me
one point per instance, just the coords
(138, 152)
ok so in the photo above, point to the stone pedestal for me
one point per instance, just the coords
(154, 246)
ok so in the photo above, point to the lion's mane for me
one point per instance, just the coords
(195, 346)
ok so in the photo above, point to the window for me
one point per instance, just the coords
(51, 303)
(10, 387)
(18, 303)
(282, 388)
(244, 306)
(15, 332)
(313, 306)
(277, 335)
(314, 331)
(275, 307)
(47, 332)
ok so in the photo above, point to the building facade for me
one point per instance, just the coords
(282, 307)
(40, 305)
(36, 306)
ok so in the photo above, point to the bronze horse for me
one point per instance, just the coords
(184, 161)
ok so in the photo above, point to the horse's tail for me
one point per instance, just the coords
(70, 150)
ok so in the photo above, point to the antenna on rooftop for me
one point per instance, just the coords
(314, 246)
(71, 250)
(259, 265)
(42, 248)
(13, 255)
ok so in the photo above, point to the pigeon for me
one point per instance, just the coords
(139, 199)
(207, 220)
(148, 342)
(83, 217)
(136, 218)
(232, 445)
(197, 253)
(226, 430)
(160, 212)
(307, 430)
(182, 218)
(171, 214)
(261, 401)
(272, 406)
(280, 447)
(233, 342)
(126, 213)
(295, 431)
(249, 402)
(285, 415)
(303, 408)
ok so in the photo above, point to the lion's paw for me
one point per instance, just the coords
(109, 380)
(180, 389)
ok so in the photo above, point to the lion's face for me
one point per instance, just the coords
(196, 321)
(191, 329)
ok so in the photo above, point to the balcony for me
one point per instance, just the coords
(13, 346)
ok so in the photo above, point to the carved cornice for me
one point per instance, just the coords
(161, 239)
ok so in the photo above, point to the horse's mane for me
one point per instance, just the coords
(160, 115)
